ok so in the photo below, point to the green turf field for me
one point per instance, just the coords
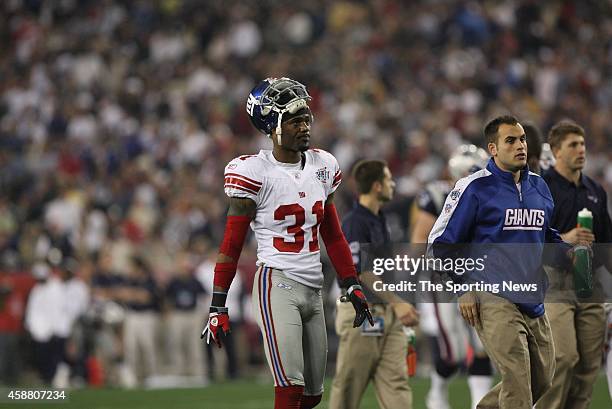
(246, 395)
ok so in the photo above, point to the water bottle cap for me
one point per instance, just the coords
(409, 331)
(585, 213)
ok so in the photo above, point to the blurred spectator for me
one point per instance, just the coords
(44, 318)
(14, 288)
(103, 339)
(105, 281)
(76, 300)
(140, 295)
(184, 294)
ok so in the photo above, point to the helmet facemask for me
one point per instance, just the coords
(283, 95)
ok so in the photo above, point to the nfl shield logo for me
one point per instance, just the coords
(322, 174)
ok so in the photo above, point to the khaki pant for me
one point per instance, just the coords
(578, 331)
(364, 358)
(184, 343)
(521, 348)
(139, 333)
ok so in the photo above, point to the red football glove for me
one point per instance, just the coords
(218, 322)
(355, 295)
(362, 311)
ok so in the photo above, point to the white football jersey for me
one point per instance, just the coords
(290, 202)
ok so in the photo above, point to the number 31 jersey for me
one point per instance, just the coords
(290, 202)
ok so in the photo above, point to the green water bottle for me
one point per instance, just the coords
(583, 276)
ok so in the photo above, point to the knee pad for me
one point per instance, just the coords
(481, 366)
(310, 401)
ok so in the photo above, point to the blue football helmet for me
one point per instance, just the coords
(271, 98)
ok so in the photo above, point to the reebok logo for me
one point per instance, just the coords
(524, 219)
(284, 286)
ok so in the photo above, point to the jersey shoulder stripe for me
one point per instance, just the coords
(451, 202)
(242, 183)
(337, 178)
(244, 178)
(240, 187)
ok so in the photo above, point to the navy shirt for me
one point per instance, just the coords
(147, 284)
(106, 280)
(570, 199)
(183, 293)
(361, 226)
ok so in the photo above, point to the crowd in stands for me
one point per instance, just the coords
(117, 118)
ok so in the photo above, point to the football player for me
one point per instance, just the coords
(450, 332)
(286, 195)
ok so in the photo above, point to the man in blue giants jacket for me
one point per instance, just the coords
(504, 203)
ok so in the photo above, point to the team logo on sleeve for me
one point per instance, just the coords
(454, 195)
(323, 175)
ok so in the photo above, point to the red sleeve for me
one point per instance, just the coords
(233, 239)
(336, 244)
